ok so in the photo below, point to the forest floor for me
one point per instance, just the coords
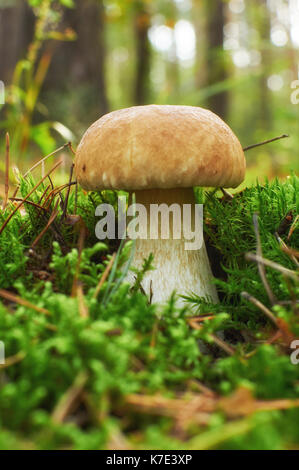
(90, 364)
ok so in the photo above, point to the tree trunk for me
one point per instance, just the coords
(173, 66)
(141, 25)
(262, 16)
(216, 68)
(16, 31)
(83, 60)
(198, 13)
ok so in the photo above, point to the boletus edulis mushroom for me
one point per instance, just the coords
(161, 153)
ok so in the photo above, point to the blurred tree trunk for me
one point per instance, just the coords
(216, 68)
(83, 60)
(16, 31)
(141, 26)
(173, 66)
(198, 14)
(89, 51)
(173, 69)
(261, 17)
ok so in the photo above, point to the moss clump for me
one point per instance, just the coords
(90, 368)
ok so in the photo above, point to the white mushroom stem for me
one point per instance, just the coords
(176, 268)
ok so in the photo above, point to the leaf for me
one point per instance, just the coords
(41, 135)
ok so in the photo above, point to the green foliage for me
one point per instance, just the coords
(22, 97)
(12, 252)
(147, 266)
(113, 343)
(65, 267)
(231, 232)
(269, 374)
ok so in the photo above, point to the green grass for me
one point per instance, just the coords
(84, 371)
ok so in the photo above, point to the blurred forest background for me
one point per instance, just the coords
(65, 63)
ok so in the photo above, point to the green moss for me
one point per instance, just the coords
(125, 346)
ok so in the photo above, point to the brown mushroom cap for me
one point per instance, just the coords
(148, 147)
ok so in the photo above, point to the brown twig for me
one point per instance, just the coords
(51, 182)
(12, 360)
(44, 193)
(198, 408)
(272, 264)
(198, 319)
(67, 194)
(53, 193)
(82, 235)
(71, 148)
(280, 324)
(159, 405)
(83, 310)
(104, 276)
(261, 306)
(202, 388)
(76, 198)
(31, 203)
(151, 293)
(242, 403)
(222, 345)
(293, 254)
(50, 221)
(293, 226)
(6, 171)
(283, 136)
(25, 303)
(261, 266)
(45, 158)
(226, 194)
(68, 401)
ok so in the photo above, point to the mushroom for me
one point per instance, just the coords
(160, 153)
